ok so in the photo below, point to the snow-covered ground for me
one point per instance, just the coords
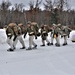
(48, 60)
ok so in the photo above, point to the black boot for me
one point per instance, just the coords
(35, 46)
(48, 44)
(29, 48)
(22, 48)
(58, 45)
(10, 49)
(14, 47)
(64, 44)
(43, 45)
(51, 43)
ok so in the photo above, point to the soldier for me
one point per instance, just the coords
(10, 35)
(37, 33)
(31, 31)
(18, 35)
(56, 34)
(23, 28)
(65, 33)
(51, 35)
(44, 34)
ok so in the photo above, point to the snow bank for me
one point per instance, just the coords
(72, 35)
(2, 36)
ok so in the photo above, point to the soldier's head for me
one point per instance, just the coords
(12, 24)
(20, 24)
(34, 23)
(45, 25)
(42, 26)
(59, 25)
(29, 23)
(54, 25)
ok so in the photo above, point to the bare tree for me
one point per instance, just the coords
(62, 4)
(5, 5)
(38, 2)
(48, 5)
(4, 10)
(53, 12)
(35, 4)
(21, 5)
(31, 4)
(34, 9)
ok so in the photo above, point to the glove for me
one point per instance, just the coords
(24, 36)
(10, 37)
(61, 36)
(68, 36)
(35, 37)
(14, 38)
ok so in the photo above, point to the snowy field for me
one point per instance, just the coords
(48, 60)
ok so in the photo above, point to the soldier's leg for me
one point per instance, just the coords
(48, 43)
(21, 41)
(30, 41)
(52, 40)
(43, 42)
(65, 40)
(15, 43)
(33, 43)
(10, 43)
(57, 41)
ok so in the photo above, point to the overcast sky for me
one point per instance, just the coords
(25, 2)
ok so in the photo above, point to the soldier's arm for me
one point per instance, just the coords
(60, 31)
(14, 38)
(9, 34)
(35, 32)
(25, 33)
(69, 29)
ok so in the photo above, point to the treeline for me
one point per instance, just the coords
(18, 14)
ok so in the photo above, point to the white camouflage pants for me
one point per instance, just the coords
(10, 42)
(51, 38)
(65, 39)
(58, 40)
(31, 42)
(20, 40)
(43, 41)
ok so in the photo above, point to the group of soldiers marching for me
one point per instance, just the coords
(16, 33)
